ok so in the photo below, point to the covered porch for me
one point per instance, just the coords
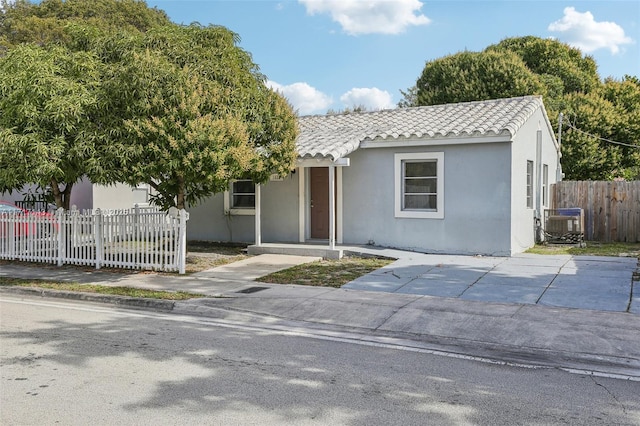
(319, 211)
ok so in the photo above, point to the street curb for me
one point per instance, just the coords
(494, 353)
(139, 302)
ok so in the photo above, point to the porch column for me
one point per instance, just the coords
(258, 241)
(332, 207)
(301, 204)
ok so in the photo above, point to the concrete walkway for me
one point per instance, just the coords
(471, 314)
(254, 267)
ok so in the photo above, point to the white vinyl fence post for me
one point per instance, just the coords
(137, 246)
(98, 239)
(258, 212)
(182, 252)
(62, 231)
(13, 238)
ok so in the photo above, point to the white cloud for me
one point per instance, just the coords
(304, 98)
(582, 31)
(371, 98)
(370, 16)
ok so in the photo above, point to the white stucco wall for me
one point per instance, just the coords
(524, 148)
(118, 196)
(82, 194)
(208, 221)
(280, 213)
(476, 202)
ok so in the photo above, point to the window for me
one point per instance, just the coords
(529, 184)
(243, 194)
(545, 185)
(419, 180)
(140, 194)
(241, 198)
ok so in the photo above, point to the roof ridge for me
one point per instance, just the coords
(452, 104)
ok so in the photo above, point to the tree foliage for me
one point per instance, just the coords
(50, 89)
(470, 76)
(546, 57)
(44, 23)
(195, 113)
(349, 110)
(601, 140)
(599, 113)
(181, 108)
(47, 99)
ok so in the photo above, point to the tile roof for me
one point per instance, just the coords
(338, 135)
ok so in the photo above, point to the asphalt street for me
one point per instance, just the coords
(596, 338)
(78, 363)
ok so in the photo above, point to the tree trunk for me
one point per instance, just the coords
(67, 196)
(61, 198)
(57, 195)
(180, 196)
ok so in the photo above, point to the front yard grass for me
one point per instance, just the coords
(327, 273)
(203, 255)
(99, 289)
(593, 248)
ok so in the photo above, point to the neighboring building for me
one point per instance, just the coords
(83, 194)
(120, 196)
(466, 178)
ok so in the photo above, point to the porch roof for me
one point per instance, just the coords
(337, 135)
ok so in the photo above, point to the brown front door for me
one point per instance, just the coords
(319, 186)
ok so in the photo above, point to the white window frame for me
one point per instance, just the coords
(529, 186)
(399, 161)
(239, 211)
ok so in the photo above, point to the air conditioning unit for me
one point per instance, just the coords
(564, 225)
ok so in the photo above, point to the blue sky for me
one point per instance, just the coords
(335, 54)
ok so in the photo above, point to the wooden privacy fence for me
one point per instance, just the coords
(139, 238)
(611, 209)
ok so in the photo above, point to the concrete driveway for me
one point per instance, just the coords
(584, 282)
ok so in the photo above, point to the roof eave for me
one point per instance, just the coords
(387, 143)
(322, 162)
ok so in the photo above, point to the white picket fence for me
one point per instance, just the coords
(138, 238)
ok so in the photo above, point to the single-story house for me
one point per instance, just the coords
(464, 178)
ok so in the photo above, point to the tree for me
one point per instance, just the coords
(409, 97)
(181, 108)
(598, 112)
(349, 110)
(47, 99)
(602, 137)
(470, 76)
(547, 57)
(44, 23)
(48, 130)
(195, 114)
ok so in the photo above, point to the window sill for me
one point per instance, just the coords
(242, 212)
(414, 214)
